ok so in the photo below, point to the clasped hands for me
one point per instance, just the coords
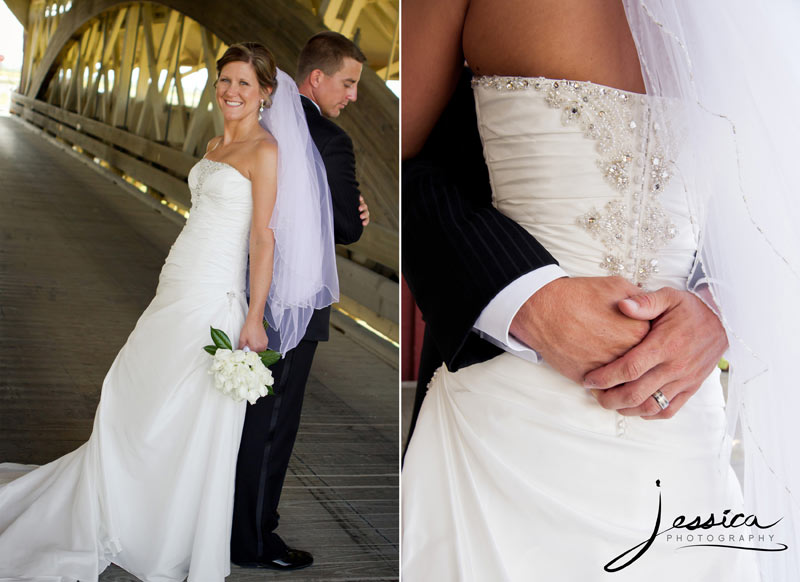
(623, 344)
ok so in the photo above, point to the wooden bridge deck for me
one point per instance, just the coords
(79, 262)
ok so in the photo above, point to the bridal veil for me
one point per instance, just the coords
(734, 65)
(304, 268)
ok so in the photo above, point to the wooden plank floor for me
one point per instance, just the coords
(79, 261)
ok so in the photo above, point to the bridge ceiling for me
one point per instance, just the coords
(373, 24)
(19, 8)
(121, 63)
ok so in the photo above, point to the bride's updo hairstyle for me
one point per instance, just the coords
(260, 58)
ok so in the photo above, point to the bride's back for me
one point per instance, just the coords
(586, 40)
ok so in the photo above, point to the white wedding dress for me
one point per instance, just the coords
(515, 472)
(152, 489)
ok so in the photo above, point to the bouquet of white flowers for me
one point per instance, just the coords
(240, 374)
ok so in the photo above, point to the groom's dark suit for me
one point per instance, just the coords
(271, 423)
(459, 252)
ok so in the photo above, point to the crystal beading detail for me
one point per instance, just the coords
(203, 171)
(632, 159)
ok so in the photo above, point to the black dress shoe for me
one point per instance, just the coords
(290, 560)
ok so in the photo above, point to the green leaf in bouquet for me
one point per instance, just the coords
(220, 339)
(265, 323)
(211, 349)
(269, 357)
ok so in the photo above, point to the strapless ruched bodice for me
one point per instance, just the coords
(211, 251)
(591, 172)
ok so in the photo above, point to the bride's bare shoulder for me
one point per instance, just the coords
(266, 139)
(262, 154)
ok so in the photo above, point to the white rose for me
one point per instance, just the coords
(225, 385)
(252, 359)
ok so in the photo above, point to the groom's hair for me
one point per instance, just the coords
(326, 51)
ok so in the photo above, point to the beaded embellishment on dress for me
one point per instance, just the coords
(633, 158)
(204, 170)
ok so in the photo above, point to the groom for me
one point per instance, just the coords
(328, 72)
(485, 285)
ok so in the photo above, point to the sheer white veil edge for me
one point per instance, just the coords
(734, 66)
(304, 268)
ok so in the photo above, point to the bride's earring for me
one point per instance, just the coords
(260, 110)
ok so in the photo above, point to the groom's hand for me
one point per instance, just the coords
(363, 211)
(685, 342)
(576, 325)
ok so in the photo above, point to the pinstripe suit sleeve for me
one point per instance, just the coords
(459, 252)
(457, 255)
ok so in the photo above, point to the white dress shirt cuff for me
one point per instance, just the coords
(494, 322)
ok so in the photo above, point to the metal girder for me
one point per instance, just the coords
(284, 26)
(113, 75)
(19, 8)
(373, 22)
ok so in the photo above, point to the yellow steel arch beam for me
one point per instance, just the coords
(284, 26)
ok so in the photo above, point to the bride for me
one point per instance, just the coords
(152, 489)
(514, 471)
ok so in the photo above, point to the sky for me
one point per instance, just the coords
(10, 39)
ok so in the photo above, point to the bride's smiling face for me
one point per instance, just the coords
(238, 92)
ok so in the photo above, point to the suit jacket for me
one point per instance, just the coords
(459, 252)
(336, 149)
